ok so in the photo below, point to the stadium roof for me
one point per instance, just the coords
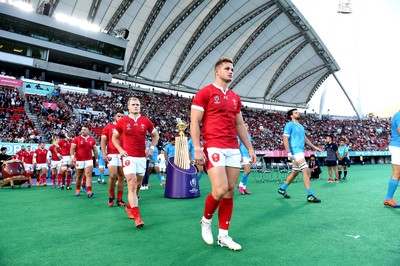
(278, 57)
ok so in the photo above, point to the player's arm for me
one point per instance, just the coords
(96, 156)
(154, 140)
(308, 142)
(117, 144)
(48, 157)
(196, 116)
(103, 147)
(72, 152)
(57, 151)
(243, 136)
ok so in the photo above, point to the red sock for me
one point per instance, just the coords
(28, 174)
(89, 189)
(69, 178)
(53, 177)
(112, 193)
(225, 213)
(43, 178)
(59, 179)
(136, 213)
(210, 207)
(120, 195)
(78, 186)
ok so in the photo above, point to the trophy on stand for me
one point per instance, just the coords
(181, 158)
(181, 179)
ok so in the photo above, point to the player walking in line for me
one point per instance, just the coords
(63, 150)
(242, 187)
(294, 140)
(217, 108)
(113, 159)
(133, 129)
(82, 147)
(55, 160)
(40, 163)
(394, 148)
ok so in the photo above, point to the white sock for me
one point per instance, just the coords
(222, 232)
(206, 220)
(240, 184)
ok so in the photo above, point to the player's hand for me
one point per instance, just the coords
(123, 153)
(149, 153)
(253, 158)
(318, 149)
(199, 157)
(290, 156)
(105, 158)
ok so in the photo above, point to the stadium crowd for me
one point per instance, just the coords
(266, 127)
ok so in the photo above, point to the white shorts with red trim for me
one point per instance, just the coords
(134, 165)
(222, 157)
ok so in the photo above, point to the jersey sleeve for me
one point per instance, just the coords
(200, 100)
(105, 131)
(118, 126)
(287, 130)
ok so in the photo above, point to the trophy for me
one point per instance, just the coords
(181, 158)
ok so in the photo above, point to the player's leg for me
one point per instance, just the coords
(292, 175)
(225, 208)
(112, 179)
(88, 174)
(79, 174)
(243, 181)
(120, 187)
(394, 180)
(340, 167)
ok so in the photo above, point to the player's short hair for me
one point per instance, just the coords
(133, 99)
(118, 112)
(290, 112)
(312, 155)
(222, 60)
(3, 149)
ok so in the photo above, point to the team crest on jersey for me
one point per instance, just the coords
(215, 157)
(142, 125)
(216, 99)
(127, 163)
(234, 102)
(128, 126)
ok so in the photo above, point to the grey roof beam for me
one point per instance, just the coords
(145, 30)
(283, 65)
(196, 35)
(168, 31)
(234, 27)
(255, 34)
(93, 10)
(263, 57)
(297, 80)
(125, 4)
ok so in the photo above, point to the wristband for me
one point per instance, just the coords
(152, 147)
(251, 150)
